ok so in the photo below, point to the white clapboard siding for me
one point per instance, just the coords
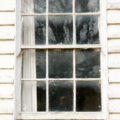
(114, 45)
(6, 117)
(114, 31)
(7, 5)
(113, 4)
(113, 16)
(7, 18)
(6, 106)
(114, 116)
(114, 91)
(7, 46)
(7, 32)
(7, 61)
(114, 105)
(114, 75)
(6, 90)
(114, 60)
(7, 76)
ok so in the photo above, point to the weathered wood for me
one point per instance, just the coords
(114, 31)
(113, 4)
(114, 75)
(7, 32)
(6, 106)
(7, 47)
(114, 60)
(114, 106)
(7, 18)
(7, 61)
(114, 91)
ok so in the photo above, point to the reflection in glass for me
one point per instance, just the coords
(60, 6)
(88, 96)
(87, 64)
(40, 30)
(60, 30)
(87, 30)
(39, 6)
(61, 96)
(40, 63)
(60, 63)
(41, 96)
(87, 5)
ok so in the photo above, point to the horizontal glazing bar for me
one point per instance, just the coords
(60, 46)
(60, 14)
(63, 79)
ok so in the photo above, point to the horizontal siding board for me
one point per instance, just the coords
(114, 45)
(6, 117)
(114, 75)
(113, 4)
(7, 18)
(112, 15)
(114, 60)
(7, 61)
(6, 106)
(113, 31)
(6, 90)
(7, 47)
(7, 5)
(7, 32)
(114, 91)
(114, 105)
(114, 116)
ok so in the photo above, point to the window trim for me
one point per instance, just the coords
(104, 74)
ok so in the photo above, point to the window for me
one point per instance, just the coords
(62, 57)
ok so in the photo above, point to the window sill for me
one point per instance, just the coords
(64, 115)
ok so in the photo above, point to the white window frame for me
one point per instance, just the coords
(103, 114)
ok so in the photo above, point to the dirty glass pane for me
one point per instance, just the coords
(60, 63)
(87, 64)
(39, 6)
(40, 30)
(60, 30)
(33, 30)
(40, 63)
(33, 6)
(60, 6)
(41, 96)
(87, 30)
(88, 96)
(87, 5)
(61, 96)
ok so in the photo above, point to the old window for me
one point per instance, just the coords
(63, 59)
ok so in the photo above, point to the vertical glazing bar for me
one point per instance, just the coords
(74, 42)
(47, 82)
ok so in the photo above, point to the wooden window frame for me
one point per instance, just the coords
(103, 114)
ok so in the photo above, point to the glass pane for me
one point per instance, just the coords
(33, 30)
(39, 6)
(61, 96)
(40, 30)
(87, 30)
(87, 5)
(31, 6)
(87, 64)
(88, 96)
(60, 30)
(40, 63)
(60, 63)
(41, 96)
(60, 6)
